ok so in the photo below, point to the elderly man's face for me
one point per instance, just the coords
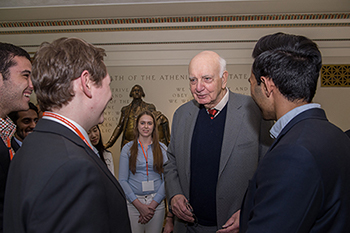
(207, 87)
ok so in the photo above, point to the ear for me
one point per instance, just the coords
(86, 83)
(268, 85)
(224, 79)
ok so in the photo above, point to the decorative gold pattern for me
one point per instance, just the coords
(141, 24)
(189, 19)
(184, 42)
(175, 28)
(335, 76)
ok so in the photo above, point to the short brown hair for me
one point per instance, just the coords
(58, 63)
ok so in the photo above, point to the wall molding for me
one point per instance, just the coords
(175, 28)
(188, 42)
(189, 19)
(182, 23)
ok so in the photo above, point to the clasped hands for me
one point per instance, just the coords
(146, 214)
(146, 211)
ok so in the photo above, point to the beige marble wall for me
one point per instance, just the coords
(155, 54)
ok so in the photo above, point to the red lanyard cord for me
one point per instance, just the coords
(51, 114)
(10, 149)
(145, 157)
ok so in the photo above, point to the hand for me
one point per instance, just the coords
(146, 211)
(154, 204)
(232, 225)
(179, 206)
(169, 225)
(145, 219)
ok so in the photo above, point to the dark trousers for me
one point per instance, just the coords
(201, 229)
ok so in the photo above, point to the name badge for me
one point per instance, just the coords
(147, 186)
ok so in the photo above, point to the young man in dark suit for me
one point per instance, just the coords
(15, 89)
(57, 182)
(302, 183)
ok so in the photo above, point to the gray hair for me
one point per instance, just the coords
(222, 63)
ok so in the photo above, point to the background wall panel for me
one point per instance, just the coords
(151, 43)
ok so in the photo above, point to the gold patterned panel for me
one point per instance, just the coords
(335, 76)
(188, 19)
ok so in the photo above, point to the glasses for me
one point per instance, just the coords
(189, 207)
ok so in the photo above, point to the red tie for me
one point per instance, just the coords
(212, 113)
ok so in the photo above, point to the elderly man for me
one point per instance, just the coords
(25, 122)
(216, 142)
(302, 183)
(15, 89)
(57, 182)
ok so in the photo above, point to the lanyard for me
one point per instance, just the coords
(51, 114)
(145, 158)
(10, 149)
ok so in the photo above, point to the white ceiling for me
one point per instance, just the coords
(22, 10)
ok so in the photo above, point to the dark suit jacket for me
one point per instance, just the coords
(246, 137)
(14, 144)
(348, 133)
(4, 167)
(302, 183)
(56, 183)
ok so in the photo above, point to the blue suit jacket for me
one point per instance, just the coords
(303, 182)
(56, 183)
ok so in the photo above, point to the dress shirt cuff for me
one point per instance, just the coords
(131, 197)
(158, 198)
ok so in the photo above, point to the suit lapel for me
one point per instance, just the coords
(232, 129)
(190, 122)
(57, 128)
(99, 163)
(14, 144)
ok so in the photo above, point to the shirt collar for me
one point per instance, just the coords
(8, 128)
(95, 150)
(81, 129)
(139, 143)
(18, 141)
(222, 102)
(286, 118)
